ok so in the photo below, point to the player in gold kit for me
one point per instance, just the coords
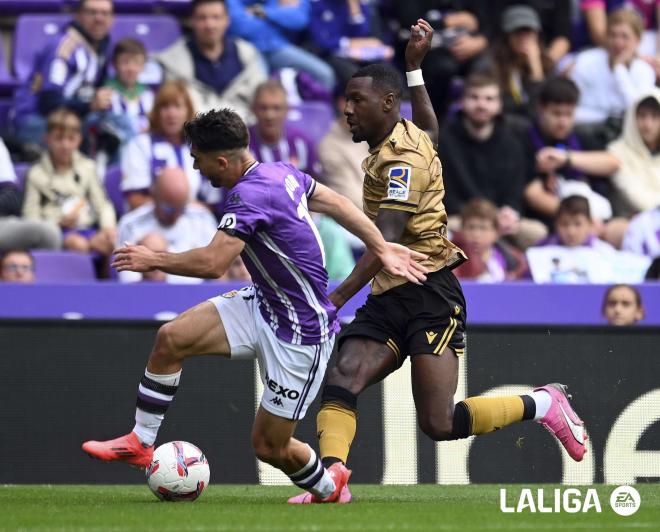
(403, 193)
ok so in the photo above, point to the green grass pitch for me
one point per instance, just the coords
(261, 508)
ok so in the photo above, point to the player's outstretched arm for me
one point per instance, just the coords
(394, 258)
(209, 262)
(419, 44)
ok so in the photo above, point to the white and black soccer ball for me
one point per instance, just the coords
(179, 471)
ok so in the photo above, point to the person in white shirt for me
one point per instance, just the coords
(171, 222)
(611, 78)
(643, 234)
(146, 155)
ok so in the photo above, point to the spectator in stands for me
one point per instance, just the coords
(146, 155)
(622, 305)
(17, 233)
(482, 157)
(595, 16)
(131, 101)
(63, 188)
(341, 158)
(68, 73)
(17, 266)
(564, 160)
(574, 227)
(458, 43)
(520, 59)
(272, 139)
(637, 182)
(170, 223)
(343, 32)
(219, 70)
(613, 77)
(492, 260)
(269, 25)
(643, 234)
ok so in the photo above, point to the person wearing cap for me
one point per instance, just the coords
(520, 60)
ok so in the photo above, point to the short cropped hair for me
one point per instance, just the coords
(82, 3)
(196, 3)
(129, 47)
(385, 78)
(574, 206)
(628, 16)
(63, 120)
(479, 80)
(480, 208)
(270, 85)
(558, 90)
(217, 130)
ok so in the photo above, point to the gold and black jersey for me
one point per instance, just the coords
(404, 173)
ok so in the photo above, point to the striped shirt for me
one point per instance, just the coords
(283, 252)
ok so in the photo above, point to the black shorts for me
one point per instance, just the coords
(414, 319)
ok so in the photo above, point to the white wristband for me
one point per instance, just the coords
(415, 78)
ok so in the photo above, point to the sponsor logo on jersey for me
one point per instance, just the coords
(399, 184)
(430, 336)
(228, 221)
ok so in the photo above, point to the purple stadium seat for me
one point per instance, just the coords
(7, 82)
(21, 170)
(155, 31)
(5, 106)
(63, 266)
(406, 110)
(175, 7)
(32, 34)
(111, 183)
(134, 6)
(315, 118)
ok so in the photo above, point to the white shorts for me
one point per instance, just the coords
(291, 374)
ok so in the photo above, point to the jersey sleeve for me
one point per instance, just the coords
(246, 212)
(405, 183)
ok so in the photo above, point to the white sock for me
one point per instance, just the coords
(314, 477)
(543, 401)
(155, 393)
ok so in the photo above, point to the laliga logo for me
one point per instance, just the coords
(625, 501)
(570, 501)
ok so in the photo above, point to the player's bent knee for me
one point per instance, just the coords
(266, 450)
(438, 428)
(166, 341)
(348, 376)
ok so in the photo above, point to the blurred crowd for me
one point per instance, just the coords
(549, 114)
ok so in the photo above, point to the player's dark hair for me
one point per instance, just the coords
(574, 206)
(558, 90)
(649, 104)
(196, 3)
(479, 80)
(217, 130)
(82, 3)
(638, 296)
(129, 47)
(385, 78)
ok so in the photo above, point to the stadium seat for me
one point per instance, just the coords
(112, 183)
(406, 110)
(175, 7)
(315, 118)
(134, 6)
(32, 34)
(155, 31)
(63, 266)
(5, 106)
(7, 82)
(21, 170)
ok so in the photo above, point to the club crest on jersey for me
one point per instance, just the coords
(399, 185)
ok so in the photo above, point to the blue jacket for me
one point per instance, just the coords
(273, 32)
(330, 22)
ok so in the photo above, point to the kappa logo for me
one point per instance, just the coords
(430, 336)
(228, 221)
(276, 401)
(399, 185)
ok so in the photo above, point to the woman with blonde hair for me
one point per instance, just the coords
(164, 146)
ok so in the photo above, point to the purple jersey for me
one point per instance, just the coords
(294, 147)
(283, 252)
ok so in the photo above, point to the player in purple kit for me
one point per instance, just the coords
(285, 319)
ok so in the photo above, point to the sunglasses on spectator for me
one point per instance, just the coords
(166, 208)
(12, 267)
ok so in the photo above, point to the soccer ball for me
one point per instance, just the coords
(179, 471)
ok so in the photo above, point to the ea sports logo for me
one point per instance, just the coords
(625, 500)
